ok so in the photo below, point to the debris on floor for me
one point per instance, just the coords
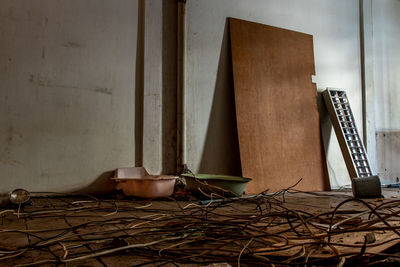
(284, 228)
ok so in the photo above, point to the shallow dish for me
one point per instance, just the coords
(224, 185)
(136, 181)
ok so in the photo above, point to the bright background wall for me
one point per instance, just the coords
(385, 65)
(211, 144)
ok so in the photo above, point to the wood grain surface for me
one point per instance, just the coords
(276, 108)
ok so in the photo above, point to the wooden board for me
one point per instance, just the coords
(276, 108)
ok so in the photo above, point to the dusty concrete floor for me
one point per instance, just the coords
(54, 230)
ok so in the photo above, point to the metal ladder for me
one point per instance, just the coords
(346, 131)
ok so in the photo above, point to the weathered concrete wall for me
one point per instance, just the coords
(70, 77)
(211, 141)
(66, 92)
(386, 79)
(388, 152)
(159, 96)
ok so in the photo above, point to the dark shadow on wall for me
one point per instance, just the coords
(169, 86)
(326, 128)
(221, 149)
(326, 124)
(139, 86)
(102, 185)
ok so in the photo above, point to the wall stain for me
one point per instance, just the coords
(5, 154)
(72, 45)
(10, 134)
(7, 161)
(388, 152)
(43, 53)
(45, 82)
(107, 91)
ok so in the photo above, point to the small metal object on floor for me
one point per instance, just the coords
(19, 196)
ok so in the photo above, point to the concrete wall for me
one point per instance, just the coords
(211, 141)
(67, 92)
(160, 87)
(386, 91)
(90, 85)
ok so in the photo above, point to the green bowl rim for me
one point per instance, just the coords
(218, 177)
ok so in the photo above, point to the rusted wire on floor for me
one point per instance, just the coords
(264, 229)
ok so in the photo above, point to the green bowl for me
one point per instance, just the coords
(224, 185)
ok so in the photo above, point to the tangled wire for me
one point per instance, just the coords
(264, 229)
